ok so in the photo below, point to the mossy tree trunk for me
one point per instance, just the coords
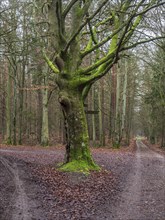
(77, 148)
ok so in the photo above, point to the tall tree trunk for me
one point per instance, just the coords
(129, 111)
(3, 121)
(3, 80)
(113, 103)
(21, 101)
(29, 105)
(101, 115)
(39, 115)
(45, 126)
(77, 152)
(163, 133)
(8, 138)
(124, 99)
(110, 107)
(22, 82)
(93, 116)
(101, 133)
(15, 113)
(117, 139)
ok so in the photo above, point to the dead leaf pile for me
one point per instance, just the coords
(76, 196)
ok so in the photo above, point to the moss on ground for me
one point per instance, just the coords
(80, 166)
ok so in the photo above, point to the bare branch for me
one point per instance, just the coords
(68, 8)
(83, 25)
(128, 25)
(150, 8)
(142, 42)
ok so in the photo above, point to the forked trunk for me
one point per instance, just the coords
(78, 156)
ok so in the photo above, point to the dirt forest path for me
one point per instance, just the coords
(138, 195)
(143, 197)
(19, 198)
(16, 202)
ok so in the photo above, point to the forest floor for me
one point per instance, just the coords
(131, 185)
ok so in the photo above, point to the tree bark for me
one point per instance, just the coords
(77, 148)
(117, 140)
(101, 114)
(124, 98)
(15, 112)
(8, 138)
(93, 116)
(45, 126)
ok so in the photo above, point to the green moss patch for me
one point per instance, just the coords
(79, 166)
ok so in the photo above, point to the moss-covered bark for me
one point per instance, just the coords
(78, 156)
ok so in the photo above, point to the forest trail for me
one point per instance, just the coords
(18, 200)
(30, 189)
(16, 203)
(143, 196)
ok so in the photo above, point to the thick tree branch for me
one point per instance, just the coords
(50, 64)
(86, 80)
(60, 20)
(86, 91)
(86, 52)
(92, 33)
(98, 63)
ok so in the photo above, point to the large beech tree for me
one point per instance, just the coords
(79, 30)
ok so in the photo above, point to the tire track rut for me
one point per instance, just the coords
(143, 197)
(19, 200)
